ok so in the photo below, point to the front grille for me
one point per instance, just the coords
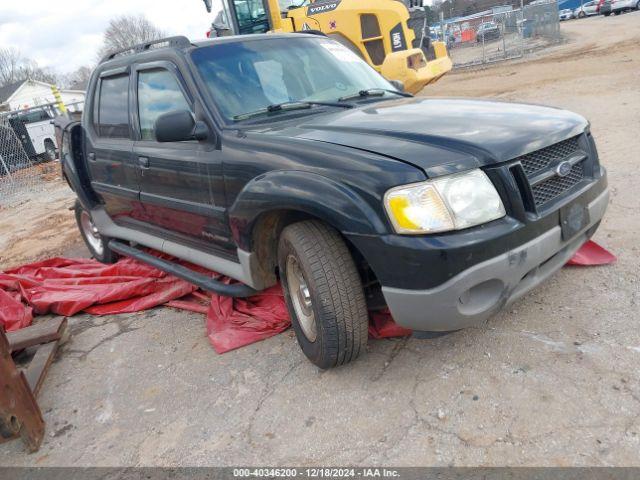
(536, 161)
(542, 164)
(554, 187)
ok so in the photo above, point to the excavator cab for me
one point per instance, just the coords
(241, 17)
(248, 16)
(390, 35)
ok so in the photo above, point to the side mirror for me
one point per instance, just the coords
(397, 84)
(179, 126)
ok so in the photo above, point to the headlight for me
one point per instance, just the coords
(447, 203)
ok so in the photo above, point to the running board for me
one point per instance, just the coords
(204, 282)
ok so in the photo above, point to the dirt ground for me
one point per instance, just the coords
(38, 227)
(554, 381)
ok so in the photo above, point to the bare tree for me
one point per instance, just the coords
(76, 80)
(30, 69)
(10, 63)
(128, 30)
(14, 67)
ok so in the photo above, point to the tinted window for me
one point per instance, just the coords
(114, 107)
(158, 93)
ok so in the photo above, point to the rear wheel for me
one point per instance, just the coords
(324, 294)
(95, 242)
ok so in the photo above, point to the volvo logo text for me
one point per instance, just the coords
(322, 8)
(563, 169)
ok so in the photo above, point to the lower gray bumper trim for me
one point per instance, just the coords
(475, 294)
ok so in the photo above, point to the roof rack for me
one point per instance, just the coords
(179, 41)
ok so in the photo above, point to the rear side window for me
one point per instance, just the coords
(158, 93)
(113, 113)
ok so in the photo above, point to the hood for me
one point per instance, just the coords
(445, 135)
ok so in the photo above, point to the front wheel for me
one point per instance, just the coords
(323, 293)
(95, 242)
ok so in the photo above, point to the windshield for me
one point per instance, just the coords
(251, 75)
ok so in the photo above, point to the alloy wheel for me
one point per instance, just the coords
(301, 299)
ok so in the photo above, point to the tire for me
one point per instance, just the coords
(95, 242)
(582, 15)
(323, 293)
(49, 151)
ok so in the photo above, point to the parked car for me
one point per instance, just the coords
(487, 31)
(242, 155)
(586, 10)
(619, 6)
(565, 14)
(604, 7)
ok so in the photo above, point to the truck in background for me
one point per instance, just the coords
(35, 131)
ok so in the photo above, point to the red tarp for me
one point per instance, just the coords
(592, 254)
(67, 286)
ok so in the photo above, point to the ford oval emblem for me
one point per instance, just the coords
(563, 169)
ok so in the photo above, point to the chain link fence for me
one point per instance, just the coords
(22, 171)
(501, 35)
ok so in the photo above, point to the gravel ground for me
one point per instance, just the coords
(553, 381)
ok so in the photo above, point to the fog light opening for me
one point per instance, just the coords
(481, 297)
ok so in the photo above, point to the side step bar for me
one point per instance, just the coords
(209, 284)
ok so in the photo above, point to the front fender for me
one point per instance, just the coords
(335, 203)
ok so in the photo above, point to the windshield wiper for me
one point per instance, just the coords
(287, 106)
(373, 92)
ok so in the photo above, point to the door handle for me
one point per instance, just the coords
(144, 162)
(92, 157)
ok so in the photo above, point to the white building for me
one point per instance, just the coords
(33, 93)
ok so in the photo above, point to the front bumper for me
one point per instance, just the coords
(475, 294)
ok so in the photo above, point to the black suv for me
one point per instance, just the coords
(285, 157)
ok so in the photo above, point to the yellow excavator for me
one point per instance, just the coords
(391, 36)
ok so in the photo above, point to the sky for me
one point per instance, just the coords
(66, 34)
